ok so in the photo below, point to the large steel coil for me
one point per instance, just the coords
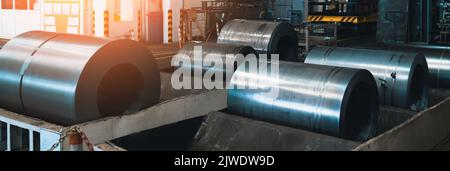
(438, 59)
(68, 79)
(401, 77)
(266, 37)
(337, 101)
(210, 53)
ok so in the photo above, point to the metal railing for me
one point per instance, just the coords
(17, 135)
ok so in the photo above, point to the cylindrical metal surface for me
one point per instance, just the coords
(226, 53)
(265, 36)
(401, 77)
(333, 100)
(438, 59)
(68, 79)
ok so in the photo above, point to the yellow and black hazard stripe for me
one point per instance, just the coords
(315, 18)
(351, 19)
(106, 23)
(93, 22)
(170, 25)
(139, 26)
(342, 19)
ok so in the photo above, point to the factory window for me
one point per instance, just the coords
(7, 4)
(21, 4)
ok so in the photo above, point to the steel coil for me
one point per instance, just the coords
(337, 101)
(226, 53)
(265, 36)
(401, 77)
(438, 59)
(68, 79)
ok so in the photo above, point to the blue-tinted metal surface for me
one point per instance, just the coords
(438, 58)
(15, 56)
(401, 77)
(337, 101)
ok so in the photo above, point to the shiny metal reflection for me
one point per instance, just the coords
(68, 79)
(333, 100)
(266, 37)
(438, 58)
(401, 77)
(14, 59)
(224, 53)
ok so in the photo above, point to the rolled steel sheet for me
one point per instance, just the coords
(438, 59)
(14, 58)
(67, 79)
(226, 53)
(337, 101)
(401, 77)
(266, 37)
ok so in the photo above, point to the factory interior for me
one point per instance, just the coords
(104, 75)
